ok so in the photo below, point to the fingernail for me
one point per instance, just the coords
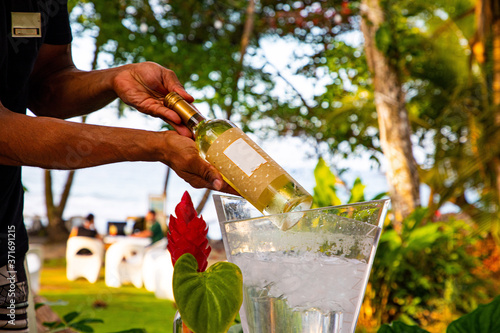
(217, 184)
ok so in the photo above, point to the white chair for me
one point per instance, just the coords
(124, 264)
(87, 263)
(34, 262)
(163, 277)
(149, 264)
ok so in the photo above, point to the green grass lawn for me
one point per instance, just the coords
(120, 308)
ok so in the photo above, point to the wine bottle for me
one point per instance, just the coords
(242, 163)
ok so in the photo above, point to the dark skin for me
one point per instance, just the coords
(58, 90)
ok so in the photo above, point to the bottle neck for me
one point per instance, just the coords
(194, 121)
(189, 115)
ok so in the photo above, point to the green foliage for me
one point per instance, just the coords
(357, 191)
(236, 329)
(426, 268)
(202, 42)
(399, 327)
(449, 102)
(120, 308)
(346, 109)
(208, 301)
(69, 321)
(484, 319)
(325, 191)
(383, 38)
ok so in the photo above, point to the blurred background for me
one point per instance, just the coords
(355, 99)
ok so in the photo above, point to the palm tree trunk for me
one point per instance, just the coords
(496, 80)
(394, 126)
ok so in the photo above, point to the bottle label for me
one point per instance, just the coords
(243, 163)
(244, 156)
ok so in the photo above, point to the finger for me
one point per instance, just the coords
(212, 176)
(183, 93)
(173, 84)
(218, 183)
(207, 176)
(226, 188)
(170, 117)
(182, 130)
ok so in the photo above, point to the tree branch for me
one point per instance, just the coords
(288, 83)
(66, 191)
(203, 201)
(245, 40)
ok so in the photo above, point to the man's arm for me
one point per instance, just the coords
(57, 144)
(59, 89)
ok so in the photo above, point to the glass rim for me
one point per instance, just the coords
(383, 203)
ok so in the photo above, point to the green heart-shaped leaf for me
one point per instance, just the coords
(486, 318)
(208, 301)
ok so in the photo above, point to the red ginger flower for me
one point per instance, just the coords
(188, 234)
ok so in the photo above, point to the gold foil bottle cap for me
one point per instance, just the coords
(171, 99)
(175, 102)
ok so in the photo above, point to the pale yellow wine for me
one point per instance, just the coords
(242, 163)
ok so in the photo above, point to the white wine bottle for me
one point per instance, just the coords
(242, 163)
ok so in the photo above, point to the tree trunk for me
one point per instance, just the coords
(394, 126)
(245, 40)
(496, 78)
(56, 230)
(203, 201)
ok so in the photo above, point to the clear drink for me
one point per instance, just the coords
(309, 278)
(306, 293)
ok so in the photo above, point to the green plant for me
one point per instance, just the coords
(117, 307)
(425, 269)
(424, 274)
(69, 321)
(484, 319)
(208, 299)
(325, 191)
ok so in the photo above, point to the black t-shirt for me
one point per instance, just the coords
(82, 231)
(18, 54)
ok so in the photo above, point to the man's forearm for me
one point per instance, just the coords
(59, 89)
(56, 144)
(71, 92)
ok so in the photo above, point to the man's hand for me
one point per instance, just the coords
(144, 85)
(183, 157)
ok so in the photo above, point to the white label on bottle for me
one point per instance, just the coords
(244, 156)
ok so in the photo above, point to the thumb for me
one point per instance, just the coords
(213, 177)
(218, 183)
